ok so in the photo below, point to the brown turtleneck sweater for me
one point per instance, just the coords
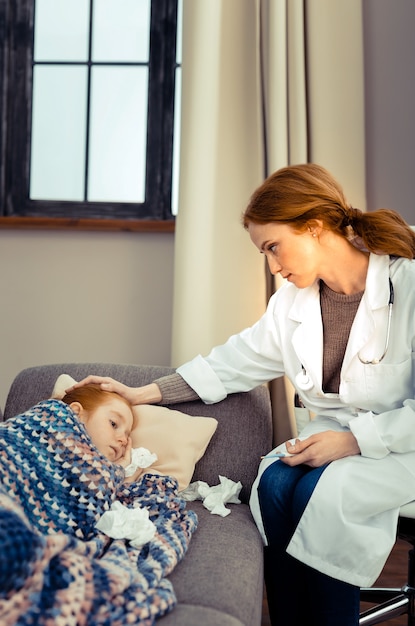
(337, 313)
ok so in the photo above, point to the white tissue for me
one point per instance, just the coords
(121, 522)
(214, 498)
(140, 457)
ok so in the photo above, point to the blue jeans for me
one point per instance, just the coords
(298, 595)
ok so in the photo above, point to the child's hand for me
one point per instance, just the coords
(125, 459)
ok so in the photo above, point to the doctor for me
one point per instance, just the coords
(342, 329)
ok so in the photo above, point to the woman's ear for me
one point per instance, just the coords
(315, 227)
(78, 409)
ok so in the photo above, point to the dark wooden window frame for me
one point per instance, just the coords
(17, 210)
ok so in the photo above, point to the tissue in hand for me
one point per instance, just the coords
(121, 522)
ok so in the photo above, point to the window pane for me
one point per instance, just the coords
(118, 134)
(58, 133)
(176, 142)
(61, 30)
(177, 113)
(179, 32)
(121, 30)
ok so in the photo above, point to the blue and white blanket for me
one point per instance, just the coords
(55, 566)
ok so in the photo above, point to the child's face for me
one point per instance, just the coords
(109, 427)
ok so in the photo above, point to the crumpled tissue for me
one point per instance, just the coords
(121, 522)
(214, 498)
(140, 457)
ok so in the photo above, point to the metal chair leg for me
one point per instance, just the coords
(387, 610)
(391, 602)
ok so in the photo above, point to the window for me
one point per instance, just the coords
(88, 98)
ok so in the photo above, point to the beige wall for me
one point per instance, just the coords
(83, 297)
(390, 105)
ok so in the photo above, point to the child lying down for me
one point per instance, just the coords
(61, 468)
(108, 419)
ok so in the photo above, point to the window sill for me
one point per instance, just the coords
(105, 225)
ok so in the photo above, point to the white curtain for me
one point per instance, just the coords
(219, 277)
(266, 83)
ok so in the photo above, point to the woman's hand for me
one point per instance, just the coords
(321, 448)
(148, 394)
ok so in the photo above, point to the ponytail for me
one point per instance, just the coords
(384, 232)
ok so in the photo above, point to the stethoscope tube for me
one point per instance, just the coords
(390, 307)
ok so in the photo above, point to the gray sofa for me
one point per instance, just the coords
(220, 580)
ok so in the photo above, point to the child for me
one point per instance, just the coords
(62, 467)
(108, 420)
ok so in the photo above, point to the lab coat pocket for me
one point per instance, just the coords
(388, 384)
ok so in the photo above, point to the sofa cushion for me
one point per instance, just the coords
(179, 440)
(189, 615)
(225, 556)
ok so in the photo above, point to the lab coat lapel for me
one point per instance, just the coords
(307, 339)
(371, 314)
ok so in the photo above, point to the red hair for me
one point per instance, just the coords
(92, 396)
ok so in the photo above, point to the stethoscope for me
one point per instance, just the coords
(303, 380)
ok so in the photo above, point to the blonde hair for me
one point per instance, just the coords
(297, 194)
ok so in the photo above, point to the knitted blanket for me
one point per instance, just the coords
(56, 568)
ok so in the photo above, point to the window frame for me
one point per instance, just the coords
(16, 76)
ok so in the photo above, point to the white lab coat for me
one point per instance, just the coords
(349, 525)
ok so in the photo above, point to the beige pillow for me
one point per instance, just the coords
(179, 440)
